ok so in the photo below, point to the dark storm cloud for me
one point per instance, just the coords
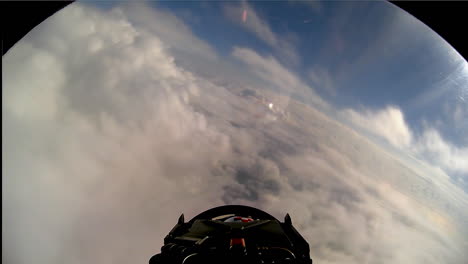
(109, 139)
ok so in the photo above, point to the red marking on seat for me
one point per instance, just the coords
(237, 241)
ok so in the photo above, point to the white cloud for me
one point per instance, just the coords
(441, 152)
(134, 139)
(28, 101)
(260, 27)
(388, 123)
(162, 24)
(100, 142)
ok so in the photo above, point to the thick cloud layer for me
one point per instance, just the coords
(108, 139)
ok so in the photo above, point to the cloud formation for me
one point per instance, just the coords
(82, 159)
(389, 123)
(109, 139)
(438, 150)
